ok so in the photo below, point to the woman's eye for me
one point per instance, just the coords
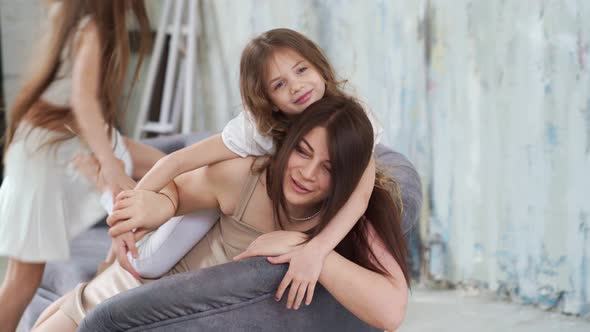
(302, 69)
(328, 169)
(301, 151)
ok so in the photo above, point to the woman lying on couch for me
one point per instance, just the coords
(270, 206)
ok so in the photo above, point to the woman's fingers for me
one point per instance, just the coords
(283, 286)
(282, 259)
(310, 290)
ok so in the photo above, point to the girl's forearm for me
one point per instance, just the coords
(209, 151)
(171, 191)
(372, 297)
(93, 131)
(143, 157)
(349, 214)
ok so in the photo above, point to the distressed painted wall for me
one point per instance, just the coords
(490, 100)
(509, 103)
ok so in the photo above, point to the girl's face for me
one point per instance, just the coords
(292, 82)
(308, 175)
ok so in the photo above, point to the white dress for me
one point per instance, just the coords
(44, 202)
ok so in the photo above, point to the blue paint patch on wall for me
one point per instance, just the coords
(586, 115)
(551, 134)
(548, 88)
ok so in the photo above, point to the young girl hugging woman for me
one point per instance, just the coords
(282, 73)
(266, 212)
(67, 108)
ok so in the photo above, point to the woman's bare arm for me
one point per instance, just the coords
(376, 299)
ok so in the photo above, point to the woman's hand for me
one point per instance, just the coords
(139, 211)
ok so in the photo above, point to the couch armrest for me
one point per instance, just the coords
(401, 170)
(237, 296)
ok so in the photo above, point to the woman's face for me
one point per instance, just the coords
(308, 175)
(292, 82)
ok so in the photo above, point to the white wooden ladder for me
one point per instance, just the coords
(177, 98)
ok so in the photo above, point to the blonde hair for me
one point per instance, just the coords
(253, 66)
(109, 17)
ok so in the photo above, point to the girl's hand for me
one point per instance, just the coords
(121, 245)
(305, 265)
(273, 244)
(139, 211)
(114, 177)
(89, 167)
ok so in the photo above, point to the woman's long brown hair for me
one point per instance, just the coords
(350, 145)
(109, 17)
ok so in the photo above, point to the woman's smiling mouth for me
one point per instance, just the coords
(298, 188)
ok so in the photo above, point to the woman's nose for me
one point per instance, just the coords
(308, 171)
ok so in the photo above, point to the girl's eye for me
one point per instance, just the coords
(301, 69)
(328, 169)
(278, 85)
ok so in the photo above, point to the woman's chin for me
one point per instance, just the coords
(297, 200)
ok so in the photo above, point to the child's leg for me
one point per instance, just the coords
(160, 250)
(50, 311)
(56, 321)
(20, 284)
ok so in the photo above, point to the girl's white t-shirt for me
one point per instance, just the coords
(241, 136)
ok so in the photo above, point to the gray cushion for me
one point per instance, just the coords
(237, 296)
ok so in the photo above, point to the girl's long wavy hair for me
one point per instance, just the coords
(110, 19)
(253, 67)
(350, 144)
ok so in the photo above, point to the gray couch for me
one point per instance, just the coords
(237, 296)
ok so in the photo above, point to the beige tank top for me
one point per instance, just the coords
(229, 237)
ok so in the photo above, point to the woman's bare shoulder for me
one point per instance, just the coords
(230, 172)
(228, 178)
